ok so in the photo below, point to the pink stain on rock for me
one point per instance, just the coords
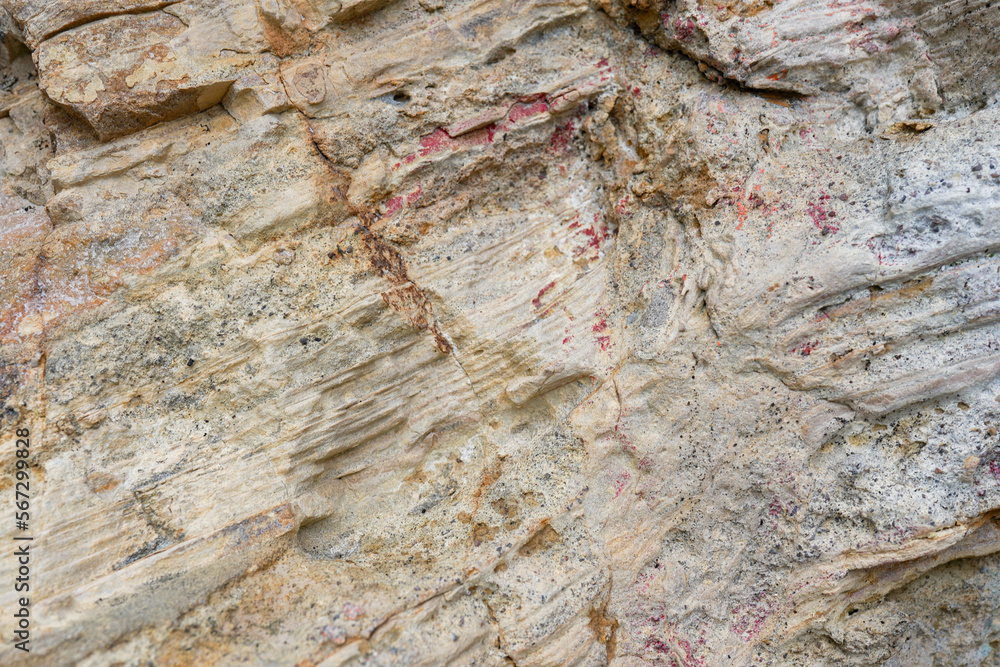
(482, 129)
(749, 618)
(684, 29)
(594, 237)
(620, 481)
(398, 203)
(436, 141)
(394, 206)
(352, 611)
(805, 349)
(537, 301)
(562, 135)
(994, 467)
(676, 649)
(522, 110)
(622, 207)
(821, 217)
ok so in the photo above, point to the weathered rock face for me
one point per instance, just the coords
(478, 332)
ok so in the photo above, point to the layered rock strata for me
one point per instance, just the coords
(482, 332)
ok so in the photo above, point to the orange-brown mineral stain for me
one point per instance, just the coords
(81, 269)
(25, 228)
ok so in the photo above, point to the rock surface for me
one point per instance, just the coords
(481, 332)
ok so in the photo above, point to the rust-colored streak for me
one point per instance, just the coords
(605, 629)
(406, 297)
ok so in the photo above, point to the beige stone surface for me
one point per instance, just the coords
(482, 332)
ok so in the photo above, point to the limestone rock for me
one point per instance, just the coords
(130, 71)
(471, 332)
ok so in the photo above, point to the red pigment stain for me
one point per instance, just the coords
(676, 645)
(352, 611)
(750, 618)
(604, 342)
(866, 38)
(805, 349)
(438, 140)
(636, 93)
(995, 470)
(525, 107)
(685, 29)
(393, 206)
(821, 217)
(396, 204)
(620, 481)
(601, 326)
(658, 645)
(567, 339)
(643, 580)
(622, 207)
(779, 76)
(537, 301)
(522, 110)
(871, 243)
(622, 433)
(562, 135)
(596, 235)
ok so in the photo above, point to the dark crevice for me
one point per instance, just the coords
(500, 640)
(383, 258)
(710, 70)
(378, 626)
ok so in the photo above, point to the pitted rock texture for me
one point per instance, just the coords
(482, 332)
